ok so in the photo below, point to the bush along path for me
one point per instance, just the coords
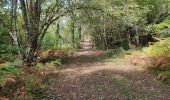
(90, 75)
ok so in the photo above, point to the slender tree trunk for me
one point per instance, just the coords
(137, 36)
(101, 39)
(128, 39)
(104, 32)
(79, 31)
(61, 40)
(13, 32)
(120, 37)
(105, 37)
(72, 31)
(126, 42)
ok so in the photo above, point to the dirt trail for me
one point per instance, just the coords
(89, 75)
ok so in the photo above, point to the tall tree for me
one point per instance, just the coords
(38, 15)
(31, 11)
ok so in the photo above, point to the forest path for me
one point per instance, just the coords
(90, 75)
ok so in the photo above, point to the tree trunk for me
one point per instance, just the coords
(13, 32)
(31, 15)
(105, 37)
(61, 40)
(79, 31)
(30, 51)
(137, 36)
(127, 39)
(72, 31)
(15, 40)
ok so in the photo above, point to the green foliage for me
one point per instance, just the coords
(122, 19)
(10, 68)
(56, 62)
(66, 47)
(159, 49)
(162, 29)
(116, 53)
(31, 83)
(163, 25)
(39, 65)
(34, 87)
(7, 51)
(158, 56)
(167, 73)
(50, 40)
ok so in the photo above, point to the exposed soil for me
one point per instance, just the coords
(90, 75)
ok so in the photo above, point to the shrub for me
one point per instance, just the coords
(161, 48)
(7, 52)
(10, 68)
(155, 57)
(11, 82)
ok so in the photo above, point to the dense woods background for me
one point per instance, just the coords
(33, 32)
(27, 26)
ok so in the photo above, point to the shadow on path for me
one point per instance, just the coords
(87, 76)
(85, 57)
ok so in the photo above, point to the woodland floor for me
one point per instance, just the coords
(90, 75)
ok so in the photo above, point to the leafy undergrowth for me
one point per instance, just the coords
(11, 83)
(53, 54)
(23, 83)
(156, 58)
(34, 82)
(17, 81)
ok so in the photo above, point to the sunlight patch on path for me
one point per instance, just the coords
(84, 76)
(89, 52)
(110, 66)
